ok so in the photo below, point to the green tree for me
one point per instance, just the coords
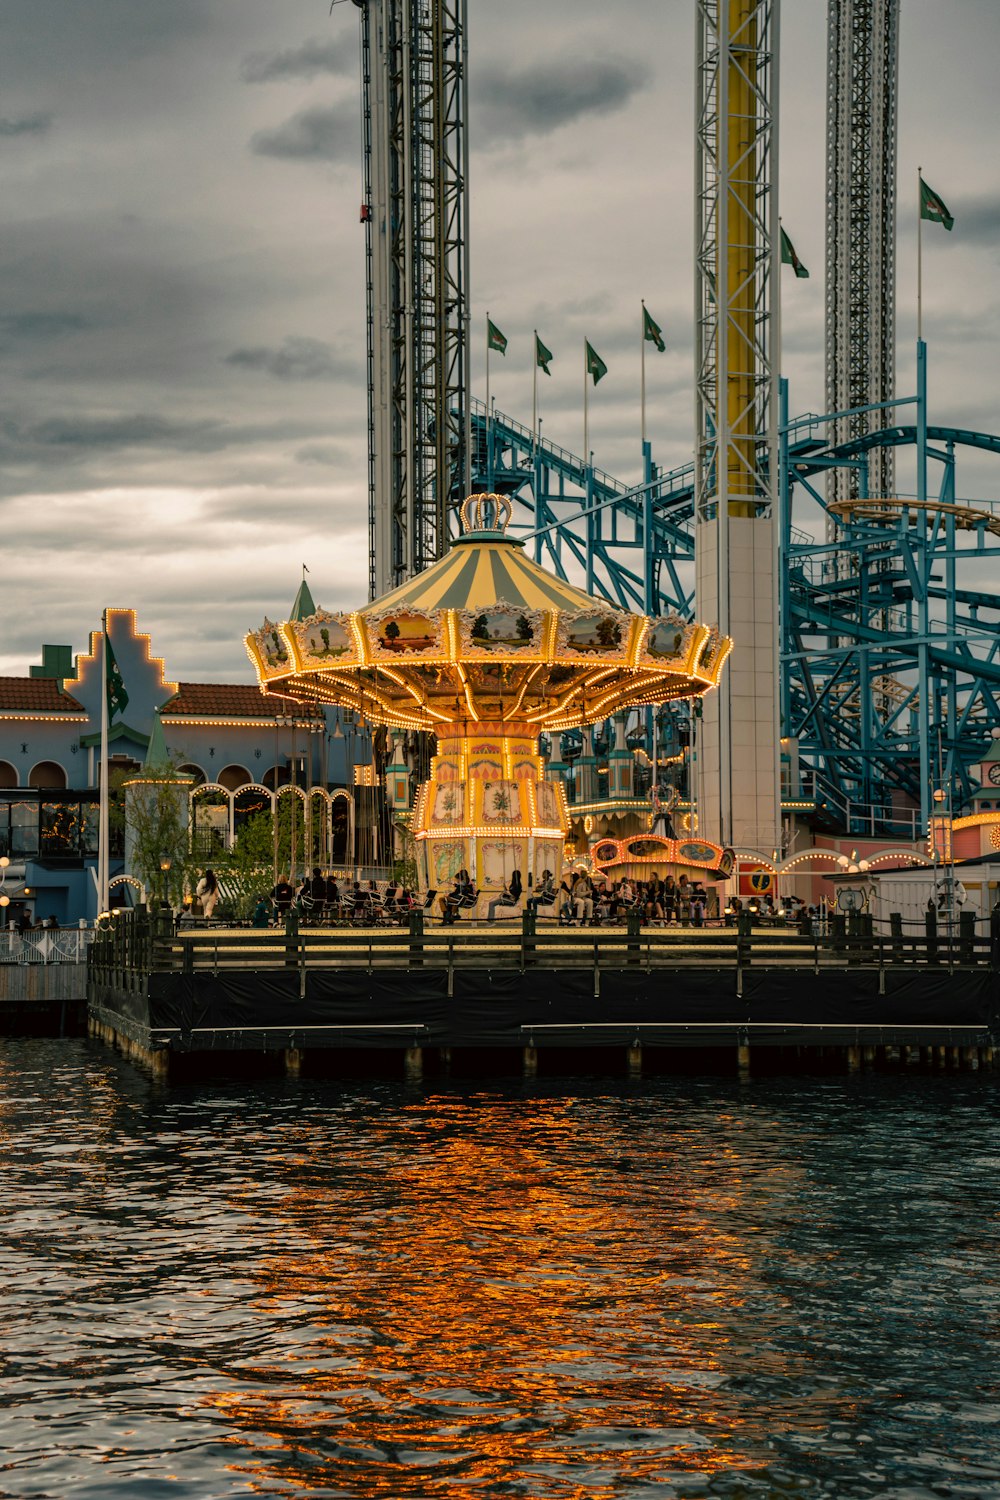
(157, 831)
(247, 871)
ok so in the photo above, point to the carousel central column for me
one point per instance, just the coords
(488, 809)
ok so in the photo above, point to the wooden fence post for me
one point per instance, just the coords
(966, 936)
(528, 947)
(416, 938)
(292, 938)
(743, 940)
(930, 928)
(632, 920)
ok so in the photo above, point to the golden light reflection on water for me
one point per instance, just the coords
(513, 1302)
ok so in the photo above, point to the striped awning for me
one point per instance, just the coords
(478, 574)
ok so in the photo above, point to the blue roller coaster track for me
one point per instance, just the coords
(890, 618)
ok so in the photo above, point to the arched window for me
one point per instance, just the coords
(276, 776)
(195, 772)
(8, 775)
(233, 777)
(48, 775)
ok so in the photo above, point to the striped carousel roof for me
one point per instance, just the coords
(481, 570)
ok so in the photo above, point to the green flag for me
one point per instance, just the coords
(114, 685)
(652, 331)
(789, 257)
(933, 208)
(494, 338)
(542, 355)
(595, 364)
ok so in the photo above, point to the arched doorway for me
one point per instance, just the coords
(48, 776)
(233, 777)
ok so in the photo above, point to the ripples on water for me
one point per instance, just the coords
(567, 1289)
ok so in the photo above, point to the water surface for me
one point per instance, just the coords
(682, 1287)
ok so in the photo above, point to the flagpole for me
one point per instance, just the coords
(103, 868)
(534, 398)
(642, 381)
(586, 430)
(920, 266)
(489, 430)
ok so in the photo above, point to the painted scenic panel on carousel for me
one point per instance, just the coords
(714, 653)
(596, 633)
(324, 637)
(547, 802)
(447, 857)
(449, 804)
(653, 848)
(498, 859)
(271, 650)
(501, 802)
(698, 852)
(399, 634)
(668, 639)
(503, 628)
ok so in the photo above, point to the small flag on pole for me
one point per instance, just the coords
(651, 331)
(114, 685)
(542, 355)
(495, 340)
(789, 257)
(595, 364)
(934, 208)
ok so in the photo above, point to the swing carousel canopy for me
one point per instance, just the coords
(486, 634)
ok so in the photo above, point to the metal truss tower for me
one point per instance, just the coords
(414, 76)
(736, 412)
(862, 55)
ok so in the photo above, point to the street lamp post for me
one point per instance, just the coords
(165, 866)
(4, 898)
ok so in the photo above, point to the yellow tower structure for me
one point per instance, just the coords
(737, 771)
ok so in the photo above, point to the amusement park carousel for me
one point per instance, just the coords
(487, 651)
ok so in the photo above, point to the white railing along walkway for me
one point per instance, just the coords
(56, 945)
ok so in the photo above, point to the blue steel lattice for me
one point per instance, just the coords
(890, 678)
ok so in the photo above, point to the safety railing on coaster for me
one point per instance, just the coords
(49, 945)
(848, 942)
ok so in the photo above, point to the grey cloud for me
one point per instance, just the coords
(297, 359)
(322, 454)
(31, 326)
(126, 431)
(36, 124)
(980, 221)
(313, 135)
(309, 60)
(539, 99)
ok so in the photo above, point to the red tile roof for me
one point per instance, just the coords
(36, 695)
(231, 700)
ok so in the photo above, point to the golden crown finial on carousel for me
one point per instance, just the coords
(487, 650)
(485, 513)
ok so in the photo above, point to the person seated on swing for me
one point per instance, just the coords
(313, 895)
(510, 896)
(461, 894)
(545, 893)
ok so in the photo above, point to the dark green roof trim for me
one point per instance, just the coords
(116, 732)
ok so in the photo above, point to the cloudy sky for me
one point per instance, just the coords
(182, 308)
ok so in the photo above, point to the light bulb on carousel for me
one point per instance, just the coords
(487, 650)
